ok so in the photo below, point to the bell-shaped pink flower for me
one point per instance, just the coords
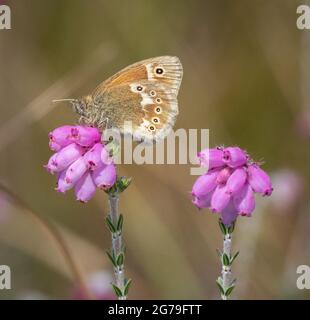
(259, 180)
(236, 181)
(245, 201)
(54, 146)
(85, 188)
(66, 156)
(220, 199)
(223, 175)
(234, 157)
(105, 156)
(211, 158)
(93, 156)
(51, 166)
(76, 170)
(62, 184)
(105, 176)
(229, 213)
(203, 201)
(85, 136)
(81, 161)
(204, 184)
(60, 137)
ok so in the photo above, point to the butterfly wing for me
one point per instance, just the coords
(145, 94)
(160, 109)
(146, 70)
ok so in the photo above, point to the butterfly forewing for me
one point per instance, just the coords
(146, 70)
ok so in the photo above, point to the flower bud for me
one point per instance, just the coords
(204, 184)
(105, 176)
(219, 199)
(245, 201)
(229, 214)
(234, 157)
(203, 202)
(259, 180)
(66, 156)
(51, 166)
(93, 157)
(223, 176)
(236, 181)
(211, 158)
(76, 170)
(85, 188)
(62, 184)
(105, 157)
(85, 136)
(60, 137)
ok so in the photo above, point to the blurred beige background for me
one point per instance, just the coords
(246, 78)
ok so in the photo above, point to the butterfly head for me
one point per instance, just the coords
(80, 106)
(85, 109)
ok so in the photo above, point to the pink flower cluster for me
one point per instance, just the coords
(80, 161)
(229, 185)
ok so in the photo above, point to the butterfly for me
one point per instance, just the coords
(140, 100)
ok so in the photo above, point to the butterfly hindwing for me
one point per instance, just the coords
(159, 104)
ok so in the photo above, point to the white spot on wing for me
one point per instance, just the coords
(145, 123)
(149, 70)
(146, 98)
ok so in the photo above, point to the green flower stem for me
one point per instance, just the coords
(117, 245)
(226, 283)
(226, 270)
(114, 223)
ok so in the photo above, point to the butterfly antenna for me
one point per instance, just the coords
(66, 100)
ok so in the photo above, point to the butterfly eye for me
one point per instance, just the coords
(158, 100)
(151, 128)
(158, 110)
(159, 70)
(152, 93)
(139, 88)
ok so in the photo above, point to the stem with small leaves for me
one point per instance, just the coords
(226, 283)
(114, 222)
